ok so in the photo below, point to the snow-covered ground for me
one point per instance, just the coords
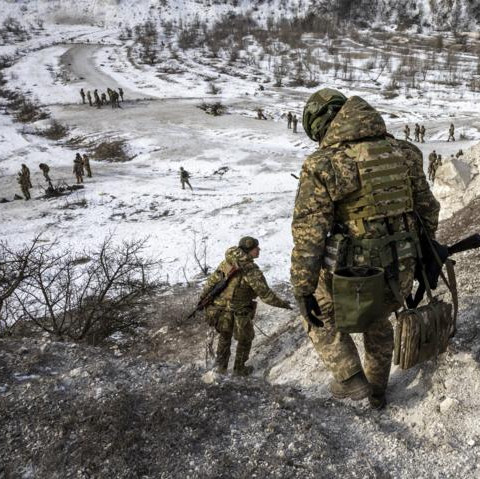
(164, 130)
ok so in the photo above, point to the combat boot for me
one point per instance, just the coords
(377, 398)
(355, 388)
(241, 357)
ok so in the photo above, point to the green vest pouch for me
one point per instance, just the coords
(358, 297)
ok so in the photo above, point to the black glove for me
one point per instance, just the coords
(310, 309)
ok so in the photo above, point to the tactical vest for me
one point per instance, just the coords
(385, 191)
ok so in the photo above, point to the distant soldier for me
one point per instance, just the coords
(86, 165)
(79, 159)
(295, 123)
(233, 310)
(439, 160)
(26, 172)
(114, 99)
(24, 183)
(289, 120)
(422, 134)
(260, 115)
(82, 94)
(406, 130)
(120, 91)
(89, 97)
(104, 98)
(416, 132)
(98, 102)
(45, 169)
(432, 161)
(184, 178)
(451, 133)
(459, 153)
(78, 168)
(109, 93)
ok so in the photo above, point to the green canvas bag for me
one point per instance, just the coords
(358, 297)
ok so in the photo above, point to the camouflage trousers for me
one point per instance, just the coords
(236, 324)
(338, 350)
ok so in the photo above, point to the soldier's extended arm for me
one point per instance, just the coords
(425, 203)
(256, 280)
(312, 221)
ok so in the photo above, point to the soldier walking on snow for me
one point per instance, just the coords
(45, 169)
(89, 97)
(86, 165)
(184, 178)
(82, 94)
(289, 120)
(26, 172)
(406, 130)
(233, 310)
(120, 91)
(451, 133)
(295, 123)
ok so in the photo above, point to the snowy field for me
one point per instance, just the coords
(164, 129)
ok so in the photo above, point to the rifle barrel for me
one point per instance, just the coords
(472, 242)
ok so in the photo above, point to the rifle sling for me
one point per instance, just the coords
(451, 283)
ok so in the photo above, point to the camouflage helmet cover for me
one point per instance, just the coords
(320, 109)
(247, 243)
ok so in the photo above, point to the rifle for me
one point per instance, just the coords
(431, 264)
(215, 291)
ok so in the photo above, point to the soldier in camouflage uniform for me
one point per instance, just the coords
(86, 165)
(89, 97)
(416, 132)
(451, 133)
(295, 123)
(98, 102)
(82, 94)
(26, 171)
(432, 161)
(45, 170)
(422, 134)
(120, 91)
(406, 131)
(232, 312)
(289, 120)
(185, 178)
(78, 168)
(24, 182)
(365, 183)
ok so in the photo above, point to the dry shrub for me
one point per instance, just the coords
(111, 151)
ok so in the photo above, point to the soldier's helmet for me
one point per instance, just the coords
(320, 109)
(247, 243)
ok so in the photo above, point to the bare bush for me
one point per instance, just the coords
(87, 296)
(111, 151)
(15, 267)
(55, 131)
(215, 109)
(26, 111)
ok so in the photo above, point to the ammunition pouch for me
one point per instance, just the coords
(343, 251)
(358, 297)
